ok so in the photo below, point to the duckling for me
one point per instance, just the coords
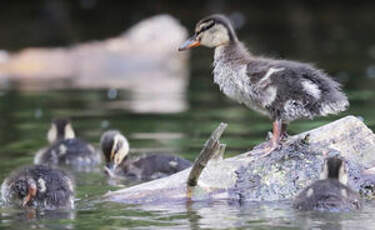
(38, 186)
(331, 192)
(280, 89)
(60, 129)
(115, 148)
(66, 149)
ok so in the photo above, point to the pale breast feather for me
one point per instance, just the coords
(234, 82)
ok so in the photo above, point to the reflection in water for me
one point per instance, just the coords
(37, 219)
(275, 215)
(167, 95)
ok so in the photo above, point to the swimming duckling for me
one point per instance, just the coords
(115, 148)
(331, 192)
(60, 129)
(282, 90)
(38, 186)
(65, 149)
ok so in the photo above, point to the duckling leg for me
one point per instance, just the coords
(273, 143)
(278, 133)
(284, 133)
(276, 136)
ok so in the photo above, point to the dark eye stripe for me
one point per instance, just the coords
(206, 28)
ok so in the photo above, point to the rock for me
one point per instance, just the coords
(146, 52)
(4, 56)
(277, 176)
(152, 43)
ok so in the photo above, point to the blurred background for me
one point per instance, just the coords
(112, 64)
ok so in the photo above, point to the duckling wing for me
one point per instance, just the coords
(159, 165)
(74, 152)
(291, 79)
(294, 89)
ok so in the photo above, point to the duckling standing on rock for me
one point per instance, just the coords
(331, 193)
(282, 90)
(115, 148)
(67, 150)
(38, 186)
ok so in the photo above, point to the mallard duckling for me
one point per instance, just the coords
(282, 90)
(60, 129)
(115, 148)
(331, 192)
(66, 149)
(38, 186)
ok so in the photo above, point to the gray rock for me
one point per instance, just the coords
(277, 176)
(146, 53)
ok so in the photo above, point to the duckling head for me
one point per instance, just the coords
(60, 129)
(335, 168)
(212, 31)
(115, 148)
(24, 189)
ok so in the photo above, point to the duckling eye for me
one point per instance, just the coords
(208, 26)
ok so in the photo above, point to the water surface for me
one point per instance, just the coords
(25, 120)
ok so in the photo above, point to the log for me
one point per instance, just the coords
(277, 176)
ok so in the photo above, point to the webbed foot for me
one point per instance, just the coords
(278, 135)
(265, 148)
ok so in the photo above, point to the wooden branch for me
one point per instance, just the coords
(220, 153)
(210, 149)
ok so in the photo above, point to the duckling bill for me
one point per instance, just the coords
(38, 186)
(280, 89)
(66, 149)
(115, 148)
(331, 192)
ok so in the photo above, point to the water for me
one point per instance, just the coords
(25, 120)
(345, 51)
